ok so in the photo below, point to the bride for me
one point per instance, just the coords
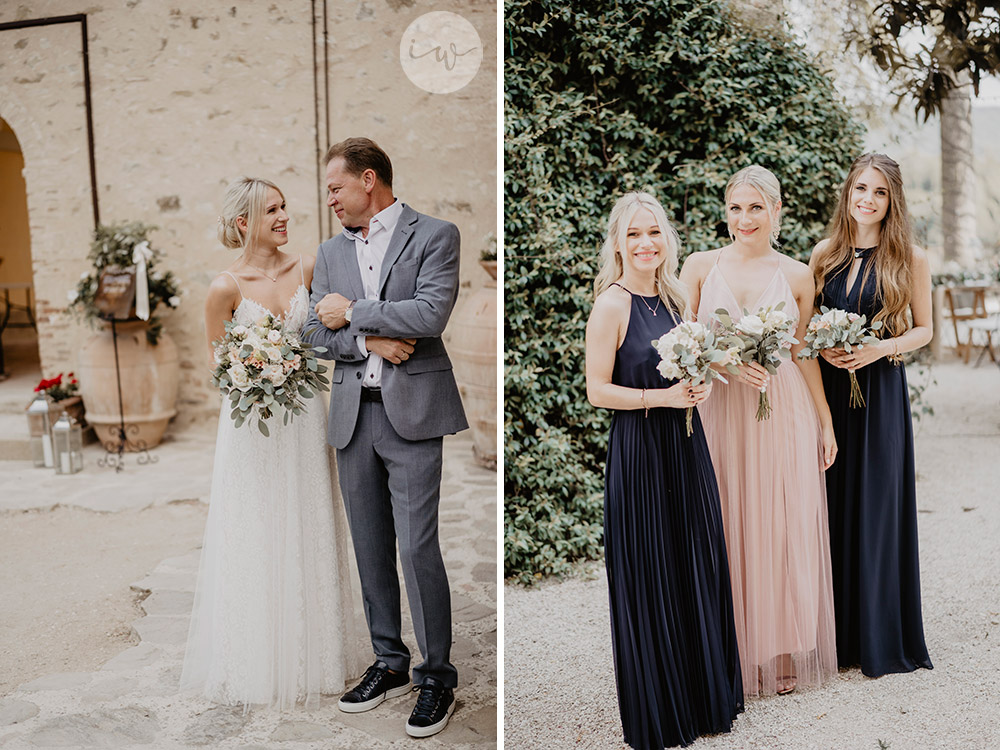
(272, 621)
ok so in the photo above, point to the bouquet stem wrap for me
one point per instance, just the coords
(763, 406)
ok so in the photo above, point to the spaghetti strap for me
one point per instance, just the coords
(237, 282)
(615, 283)
(302, 273)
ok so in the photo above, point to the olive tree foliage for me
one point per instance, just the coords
(928, 47)
(670, 97)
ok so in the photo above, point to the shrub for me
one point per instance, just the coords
(669, 97)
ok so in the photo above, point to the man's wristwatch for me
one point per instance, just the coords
(349, 311)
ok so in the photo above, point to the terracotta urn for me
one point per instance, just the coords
(149, 380)
(473, 347)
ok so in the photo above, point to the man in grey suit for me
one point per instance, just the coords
(382, 292)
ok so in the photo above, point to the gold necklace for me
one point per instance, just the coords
(651, 309)
(266, 274)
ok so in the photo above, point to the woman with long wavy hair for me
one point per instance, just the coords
(674, 642)
(870, 265)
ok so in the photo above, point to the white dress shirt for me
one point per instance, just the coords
(371, 251)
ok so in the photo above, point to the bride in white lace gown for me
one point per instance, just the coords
(272, 621)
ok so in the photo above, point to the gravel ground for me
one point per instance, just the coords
(558, 673)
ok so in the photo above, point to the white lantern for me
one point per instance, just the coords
(40, 431)
(67, 444)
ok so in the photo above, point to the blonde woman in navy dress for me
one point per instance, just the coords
(674, 642)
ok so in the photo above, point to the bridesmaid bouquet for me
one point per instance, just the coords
(687, 352)
(832, 328)
(264, 367)
(764, 337)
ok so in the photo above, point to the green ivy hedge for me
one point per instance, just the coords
(670, 97)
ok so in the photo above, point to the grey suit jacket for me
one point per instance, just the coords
(418, 287)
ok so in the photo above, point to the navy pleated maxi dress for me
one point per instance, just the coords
(676, 659)
(872, 502)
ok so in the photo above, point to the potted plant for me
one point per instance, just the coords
(65, 395)
(129, 369)
(116, 247)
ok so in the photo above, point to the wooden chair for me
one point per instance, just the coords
(965, 304)
(988, 326)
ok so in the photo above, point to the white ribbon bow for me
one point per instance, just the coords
(140, 255)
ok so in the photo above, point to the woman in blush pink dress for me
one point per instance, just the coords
(770, 472)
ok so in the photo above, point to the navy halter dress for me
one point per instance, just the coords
(676, 660)
(872, 502)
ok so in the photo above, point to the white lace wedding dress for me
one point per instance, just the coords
(272, 621)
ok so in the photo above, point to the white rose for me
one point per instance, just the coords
(665, 344)
(174, 301)
(751, 325)
(776, 319)
(669, 370)
(732, 356)
(239, 378)
(839, 317)
(274, 337)
(72, 294)
(274, 373)
(273, 354)
(240, 331)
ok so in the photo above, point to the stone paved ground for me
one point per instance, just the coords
(132, 701)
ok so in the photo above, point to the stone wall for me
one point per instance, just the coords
(186, 95)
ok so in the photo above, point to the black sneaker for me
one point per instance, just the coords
(435, 705)
(377, 685)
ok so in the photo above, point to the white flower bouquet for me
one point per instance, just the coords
(765, 337)
(687, 352)
(264, 367)
(833, 328)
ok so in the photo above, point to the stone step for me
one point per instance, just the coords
(14, 442)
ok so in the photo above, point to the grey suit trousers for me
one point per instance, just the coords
(391, 488)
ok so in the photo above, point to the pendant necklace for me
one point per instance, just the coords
(272, 278)
(651, 309)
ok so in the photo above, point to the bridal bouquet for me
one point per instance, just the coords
(687, 352)
(832, 328)
(264, 367)
(764, 337)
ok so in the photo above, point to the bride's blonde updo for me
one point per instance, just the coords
(246, 197)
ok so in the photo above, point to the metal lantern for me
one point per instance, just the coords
(40, 431)
(67, 445)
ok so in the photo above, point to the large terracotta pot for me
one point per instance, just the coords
(473, 347)
(149, 377)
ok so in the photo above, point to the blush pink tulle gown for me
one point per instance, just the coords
(773, 494)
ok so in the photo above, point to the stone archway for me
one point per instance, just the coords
(20, 339)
